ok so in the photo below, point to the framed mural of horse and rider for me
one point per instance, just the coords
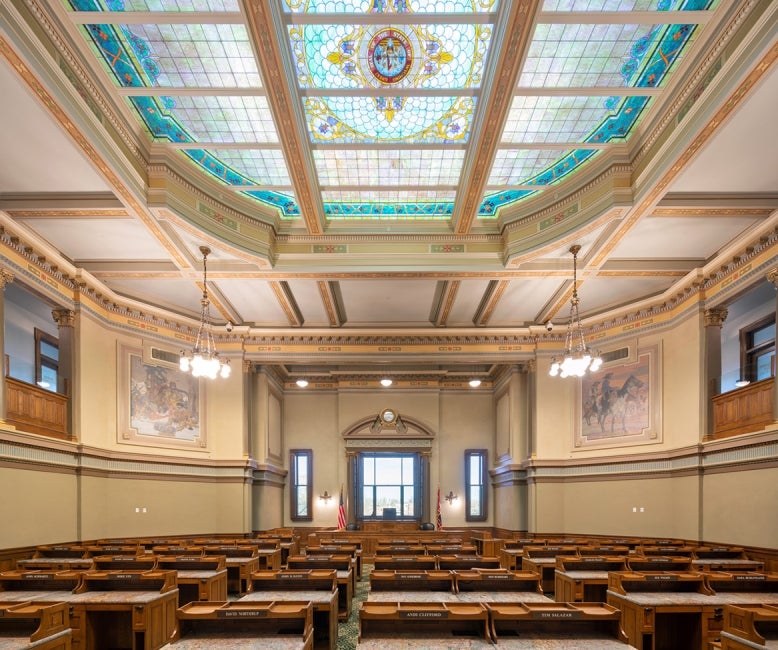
(621, 403)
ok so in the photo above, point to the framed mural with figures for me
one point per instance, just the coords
(620, 404)
(158, 405)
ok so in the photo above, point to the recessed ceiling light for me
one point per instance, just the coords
(302, 383)
(386, 382)
(475, 383)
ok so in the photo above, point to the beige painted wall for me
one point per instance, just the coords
(670, 507)
(37, 507)
(740, 507)
(172, 507)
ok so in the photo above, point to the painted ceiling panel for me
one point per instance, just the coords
(468, 298)
(254, 301)
(523, 301)
(308, 297)
(179, 295)
(402, 302)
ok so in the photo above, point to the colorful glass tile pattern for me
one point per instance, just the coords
(390, 106)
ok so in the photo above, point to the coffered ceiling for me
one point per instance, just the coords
(386, 167)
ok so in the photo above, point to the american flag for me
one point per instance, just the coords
(341, 512)
(438, 518)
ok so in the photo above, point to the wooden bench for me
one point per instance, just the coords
(124, 609)
(398, 580)
(421, 621)
(750, 626)
(319, 586)
(42, 626)
(281, 625)
(242, 561)
(346, 581)
(584, 578)
(199, 577)
(583, 626)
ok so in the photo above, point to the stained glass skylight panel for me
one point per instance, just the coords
(264, 167)
(384, 167)
(176, 5)
(623, 5)
(390, 6)
(225, 118)
(540, 119)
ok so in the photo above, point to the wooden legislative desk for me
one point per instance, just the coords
(42, 626)
(319, 586)
(241, 562)
(667, 611)
(579, 626)
(339, 549)
(402, 562)
(750, 627)
(199, 577)
(542, 560)
(393, 580)
(488, 581)
(136, 562)
(133, 610)
(584, 578)
(343, 565)
(465, 562)
(38, 585)
(430, 619)
(260, 625)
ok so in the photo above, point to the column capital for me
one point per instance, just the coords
(64, 317)
(6, 277)
(772, 276)
(715, 316)
(247, 365)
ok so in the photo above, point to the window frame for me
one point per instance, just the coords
(483, 485)
(417, 487)
(750, 352)
(45, 361)
(296, 455)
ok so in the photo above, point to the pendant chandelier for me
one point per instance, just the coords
(578, 359)
(203, 360)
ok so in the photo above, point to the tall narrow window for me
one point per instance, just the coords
(301, 484)
(46, 360)
(388, 485)
(475, 485)
(757, 350)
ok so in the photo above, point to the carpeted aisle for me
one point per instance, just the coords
(348, 632)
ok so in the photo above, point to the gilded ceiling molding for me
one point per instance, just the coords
(649, 202)
(489, 302)
(432, 238)
(333, 304)
(442, 310)
(287, 303)
(712, 212)
(69, 214)
(268, 51)
(507, 61)
(84, 143)
(86, 79)
(692, 82)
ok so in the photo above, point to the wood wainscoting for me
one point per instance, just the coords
(35, 409)
(744, 410)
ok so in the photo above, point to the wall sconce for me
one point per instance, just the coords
(325, 497)
(451, 497)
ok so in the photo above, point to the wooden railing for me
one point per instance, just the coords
(744, 410)
(34, 409)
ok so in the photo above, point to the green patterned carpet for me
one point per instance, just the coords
(348, 632)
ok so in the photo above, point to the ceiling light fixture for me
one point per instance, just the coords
(203, 360)
(302, 383)
(578, 358)
(386, 382)
(475, 383)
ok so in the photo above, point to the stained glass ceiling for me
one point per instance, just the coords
(391, 96)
